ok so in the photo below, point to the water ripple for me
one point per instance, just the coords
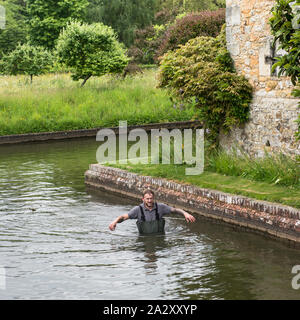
(55, 242)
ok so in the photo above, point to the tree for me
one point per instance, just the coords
(124, 16)
(48, 18)
(285, 26)
(27, 59)
(191, 5)
(90, 50)
(94, 11)
(15, 30)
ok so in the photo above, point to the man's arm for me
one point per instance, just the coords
(120, 219)
(188, 217)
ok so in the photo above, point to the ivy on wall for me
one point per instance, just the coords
(285, 26)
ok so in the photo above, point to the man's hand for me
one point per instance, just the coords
(120, 219)
(112, 226)
(189, 217)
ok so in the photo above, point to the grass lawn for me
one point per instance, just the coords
(55, 102)
(287, 195)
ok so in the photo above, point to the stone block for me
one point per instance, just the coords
(233, 15)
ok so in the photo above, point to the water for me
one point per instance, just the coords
(55, 242)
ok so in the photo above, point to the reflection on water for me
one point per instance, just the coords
(55, 242)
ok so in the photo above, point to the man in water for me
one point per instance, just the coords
(150, 214)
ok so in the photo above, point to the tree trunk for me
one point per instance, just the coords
(31, 76)
(85, 80)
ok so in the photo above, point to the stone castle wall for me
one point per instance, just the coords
(273, 111)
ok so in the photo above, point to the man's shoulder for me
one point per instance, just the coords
(133, 213)
(163, 206)
(136, 207)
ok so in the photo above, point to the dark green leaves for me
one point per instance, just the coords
(48, 18)
(285, 26)
(202, 71)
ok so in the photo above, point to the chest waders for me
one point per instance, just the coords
(148, 227)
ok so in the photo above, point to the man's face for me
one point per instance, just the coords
(148, 200)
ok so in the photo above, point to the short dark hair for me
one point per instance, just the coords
(148, 191)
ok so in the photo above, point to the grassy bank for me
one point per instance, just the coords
(54, 102)
(287, 195)
(274, 178)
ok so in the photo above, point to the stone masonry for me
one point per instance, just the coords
(274, 220)
(273, 111)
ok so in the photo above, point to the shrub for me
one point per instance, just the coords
(90, 50)
(165, 16)
(202, 72)
(27, 59)
(206, 23)
(146, 43)
(285, 26)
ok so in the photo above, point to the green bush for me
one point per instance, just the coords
(146, 43)
(27, 59)
(285, 26)
(90, 50)
(202, 72)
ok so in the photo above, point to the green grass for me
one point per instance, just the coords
(287, 195)
(277, 169)
(274, 178)
(54, 102)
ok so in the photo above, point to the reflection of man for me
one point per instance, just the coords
(150, 214)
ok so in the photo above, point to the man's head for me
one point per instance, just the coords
(148, 198)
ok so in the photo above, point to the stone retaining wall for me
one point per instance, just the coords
(273, 111)
(278, 221)
(58, 135)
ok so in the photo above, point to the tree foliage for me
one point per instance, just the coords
(155, 40)
(206, 23)
(202, 72)
(27, 59)
(124, 16)
(191, 5)
(15, 30)
(285, 26)
(90, 50)
(48, 18)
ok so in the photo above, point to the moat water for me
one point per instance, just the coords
(55, 242)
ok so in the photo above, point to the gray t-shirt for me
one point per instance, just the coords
(162, 210)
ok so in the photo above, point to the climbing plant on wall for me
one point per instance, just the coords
(202, 71)
(285, 26)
